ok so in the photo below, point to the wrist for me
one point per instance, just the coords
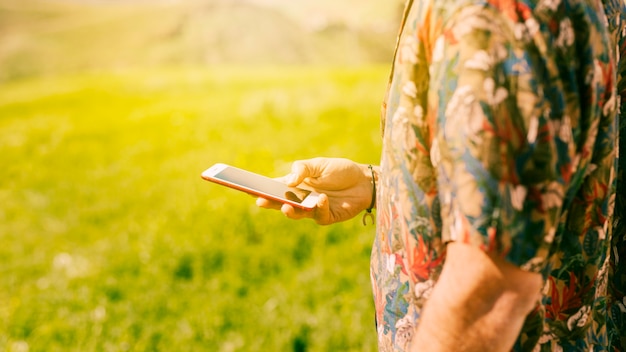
(372, 176)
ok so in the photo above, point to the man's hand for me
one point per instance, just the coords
(345, 189)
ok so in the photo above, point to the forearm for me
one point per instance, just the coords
(478, 304)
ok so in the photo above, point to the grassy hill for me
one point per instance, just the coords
(43, 37)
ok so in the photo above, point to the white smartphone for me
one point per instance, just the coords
(261, 186)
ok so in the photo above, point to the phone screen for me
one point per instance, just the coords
(264, 184)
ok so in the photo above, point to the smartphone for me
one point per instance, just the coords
(260, 185)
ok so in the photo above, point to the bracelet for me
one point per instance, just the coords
(368, 211)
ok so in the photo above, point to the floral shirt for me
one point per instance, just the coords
(500, 130)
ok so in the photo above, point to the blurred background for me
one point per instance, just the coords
(109, 112)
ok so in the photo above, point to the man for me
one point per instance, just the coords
(498, 225)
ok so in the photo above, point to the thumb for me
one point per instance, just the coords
(300, 170)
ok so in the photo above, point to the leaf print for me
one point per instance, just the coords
(518, 196)
(546, 336)
(403, 132)
(550, 235)
(521, 32)
(566, 34)
(565, 129)
(622, 305)
(552, 196)
(464, 115)
(590, 169)
(602, 278)
(470, 21)
(391, 263)
(421, 261)
(553, 5)
(418, 111)
(590, 242)
(579, 319)
(533, 129)
(424, 289)
(410, 90)
(566, 297)
(494, 95)
(405, 328)
(532, 26)
(439, 49)
(459, 228)
(610, 105)
(400, 117)
(480, 61)
(408, 51)
(435, 153)
(598, 73)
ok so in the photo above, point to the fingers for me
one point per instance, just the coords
(292, 213)
(268, 204)
(289, 211)
(297, 214)
(321, 214)
(322, 211)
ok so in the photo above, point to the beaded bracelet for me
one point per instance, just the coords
(368, 211)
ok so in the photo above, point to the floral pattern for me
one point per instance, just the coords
(501, 129)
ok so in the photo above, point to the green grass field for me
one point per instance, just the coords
(112, 242)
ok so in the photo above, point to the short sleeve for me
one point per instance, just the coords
(506, 132)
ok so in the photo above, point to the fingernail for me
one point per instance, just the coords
(292, 178)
